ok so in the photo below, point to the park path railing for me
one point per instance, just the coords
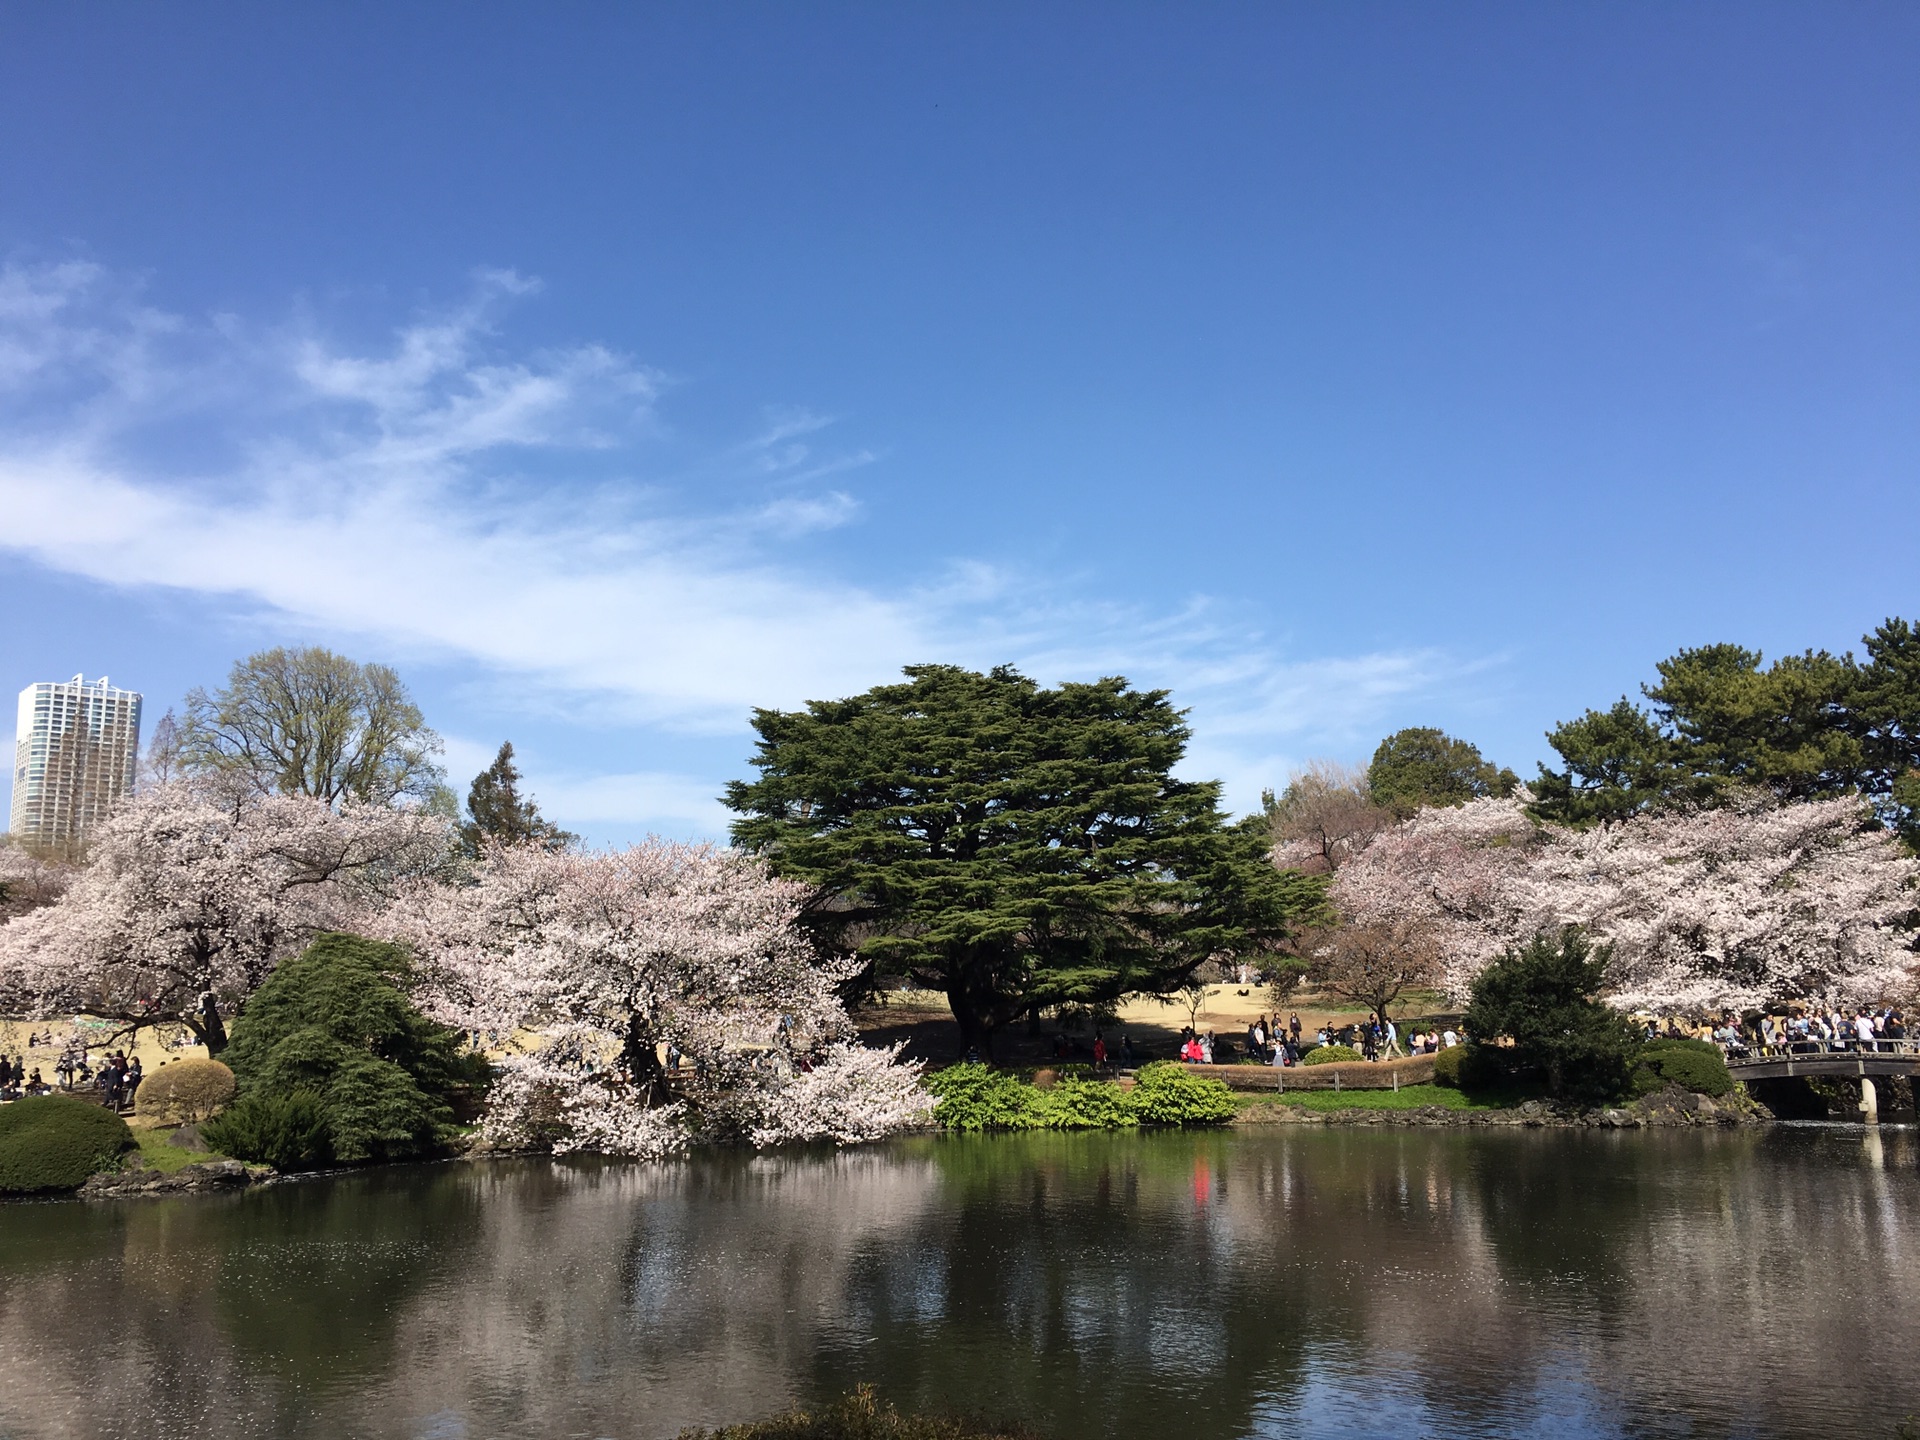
(1748, 1054)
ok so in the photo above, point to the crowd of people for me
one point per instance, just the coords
(16, 1082)
(1799, 1030)
(116, 1081)
(1277, 1043)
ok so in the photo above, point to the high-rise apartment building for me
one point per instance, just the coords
(75, 754)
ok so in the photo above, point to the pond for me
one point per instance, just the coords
(1252, 1283)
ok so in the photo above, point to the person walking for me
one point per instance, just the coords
(1293, 1027)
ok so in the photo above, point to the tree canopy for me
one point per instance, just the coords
(1015, 846)
(192, 893)
(1721, 721)
(1324, 817)
(496, 813)
(309, 722)
(1422, 766)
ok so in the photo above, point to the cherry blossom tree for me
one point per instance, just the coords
(1741, 907)
(1453, 874)
(584, 967)
(194, 890)
(852, 1093)
(1372, 964)
(1744, 905)
(29, 881)
(1324, 818)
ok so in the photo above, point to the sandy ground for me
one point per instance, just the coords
(919, 1017)
(154, 1047)
(923, 1020)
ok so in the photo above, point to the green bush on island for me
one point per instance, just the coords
(1330, 1055)
(184, 1092)
(1446, 1065)
(1168, 1094)
(335, 1024)
(54, 1142)
(1544, 1001)
(1694, 1065)
(976, 1097)
(286, 1129)
(1073, 1104)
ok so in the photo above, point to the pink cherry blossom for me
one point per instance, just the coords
(1742, 906)
(197, 888)
(582, 969)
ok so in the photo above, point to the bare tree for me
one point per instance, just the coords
(1324, 817)
(1373, 965)
(310, 722)
(162, 762)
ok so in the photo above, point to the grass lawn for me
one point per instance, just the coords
(163, 1157)
(1407, 1097)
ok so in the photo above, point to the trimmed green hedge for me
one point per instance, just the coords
(1446, 1065)
(1693, 1065)
(975, 1097)
(1331, 1055)
(54, 1142)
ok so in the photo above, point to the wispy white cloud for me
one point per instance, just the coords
(419, 496)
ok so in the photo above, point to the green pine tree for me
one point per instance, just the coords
(1544, 1000)
(497, 814)
(335, 1024)
(1013, 846)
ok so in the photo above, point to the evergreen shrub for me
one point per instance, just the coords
(1693, 1065)
(1544, 999)
(1168, 1094)
(286, 1129)
(1331, 1055)
(1072, 1104)
(184, 1092)
(978, 1097)
(1446, 1065)
(336, 1022)
(54, 1142)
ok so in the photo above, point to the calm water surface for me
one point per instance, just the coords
(1325, 1283)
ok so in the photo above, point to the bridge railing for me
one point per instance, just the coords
(1811, 1047)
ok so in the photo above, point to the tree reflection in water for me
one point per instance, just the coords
(1380, 1282)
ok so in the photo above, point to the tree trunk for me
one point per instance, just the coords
(643, 1062)
(976, 1031)
(210, 1028)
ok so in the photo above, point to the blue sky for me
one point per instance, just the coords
(613, 369)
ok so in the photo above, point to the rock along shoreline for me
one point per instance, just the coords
(201, 1178)
(1669, 1109)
